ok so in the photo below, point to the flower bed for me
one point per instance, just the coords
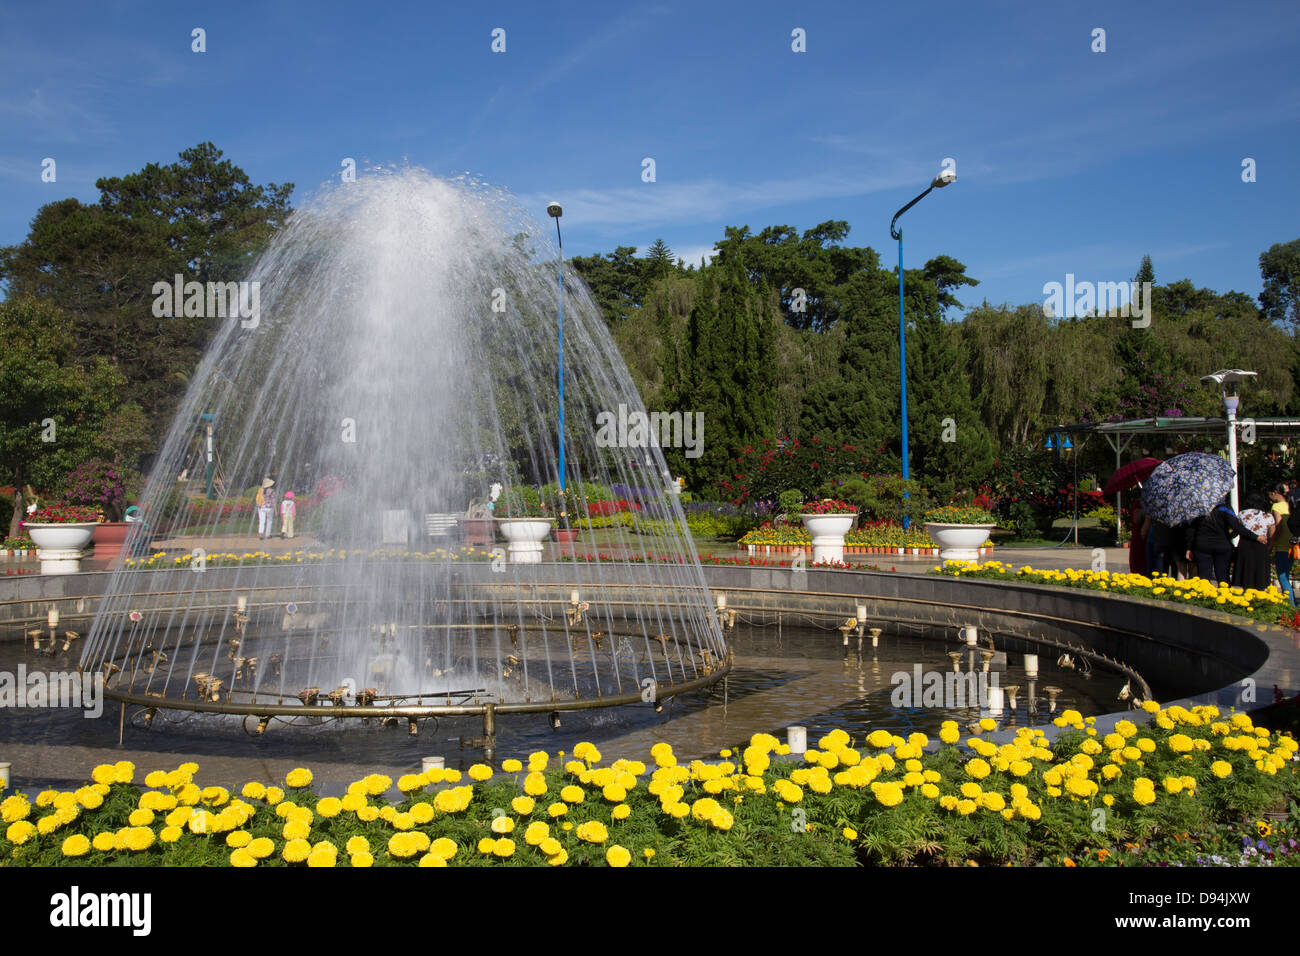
(1269, 606)
(873, 537)
(883, 800)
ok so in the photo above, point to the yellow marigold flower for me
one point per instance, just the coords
(329, 807)
(1221, 768)
(293, 830)
(988, 724)
(261, 847)
(572, 794)
(378, 784)
(511, 766)
(352, 802)
(1178, 743)
(929, 791)
(966, 807)
(240, 857)
(880, 739)
(139, 838)
(76, 845)
(298, 778)
(993, 801)
(480, 772)
(971, 790)
(621, 812)
(888, 794)
(412, 782)
(273, 795)
(948, 732)
(105, 773)
(617, 856)
(558, 809)
(253, 791)
(977, 768)
(677, 810)
(614, 793)
(1131, 753)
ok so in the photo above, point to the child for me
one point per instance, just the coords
(288, 508)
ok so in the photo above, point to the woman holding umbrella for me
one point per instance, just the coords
(1210, 541)
(1193, 487)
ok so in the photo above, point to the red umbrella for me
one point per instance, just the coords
(1128, 476)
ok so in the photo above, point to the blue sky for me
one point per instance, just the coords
(1068, 161)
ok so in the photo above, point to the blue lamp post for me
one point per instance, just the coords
(555, 212)
(943, 179)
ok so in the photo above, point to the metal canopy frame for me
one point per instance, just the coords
(1119, 434)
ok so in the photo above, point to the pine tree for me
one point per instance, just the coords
(730, 371)
(856, 403)
(950, 447)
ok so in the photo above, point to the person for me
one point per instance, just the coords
(1253, 566)
(1279, 541)
(1209, 541)
(288, 509)
(1137, 545)
(265, 501)
(1160, 548)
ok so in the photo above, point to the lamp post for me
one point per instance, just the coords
(943, 179)
(555, 212)
(1227, 380)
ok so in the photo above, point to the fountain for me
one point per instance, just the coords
(405, 354)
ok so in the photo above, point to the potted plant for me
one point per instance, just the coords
(959, 530)
(101, 484)
(60, 532)
(522, 523)
(566, 507)
(827, 522)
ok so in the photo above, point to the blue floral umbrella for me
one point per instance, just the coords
(1186, 487)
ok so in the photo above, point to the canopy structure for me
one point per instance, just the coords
(1119, 434)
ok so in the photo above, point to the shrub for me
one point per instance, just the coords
(99, 484)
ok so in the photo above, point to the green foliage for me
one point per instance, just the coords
(53, 410)
(1280, 268)
(791, 502)
(200, 218)
(519, 501)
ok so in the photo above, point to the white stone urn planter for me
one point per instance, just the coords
(827, 533)
(59, 545)
(524, 537)
(959, 542)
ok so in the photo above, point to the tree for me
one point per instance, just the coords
(730, 371)
(200, 218)
(950, 448)
(808, 271)
(658, 261)
(54, 413)
(615, 280)
(1280, 269)
(855, 400)
(209, 210)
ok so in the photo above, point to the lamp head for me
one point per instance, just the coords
(553, 210)
(946, 175)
